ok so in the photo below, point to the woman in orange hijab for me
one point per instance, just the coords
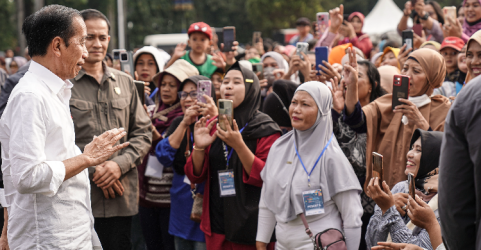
(389, 131)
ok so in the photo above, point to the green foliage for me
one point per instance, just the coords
(8, 38)
(269, 15)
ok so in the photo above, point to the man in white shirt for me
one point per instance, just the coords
(47, 188)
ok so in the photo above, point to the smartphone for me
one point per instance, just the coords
(412, 186)
(116, 53)
(257, 67)
(450, 11)
(302, 47)
(140, 90)
(400, 89)
(269, 75)
(322, 21)
(229, 38)
(377, 167)
(418, 29)
(226, 107)
(256, 37)
(407, 38)
(127, 63)
(322, 54)
(204, 87)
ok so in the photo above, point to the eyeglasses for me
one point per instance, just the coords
(183, 95)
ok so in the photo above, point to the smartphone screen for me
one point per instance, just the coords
(226, 107)
(229, 38)
(400, 89)
(412, 186)
(204, 87)
(322, 54)
(407, 38)
(377, 167)
(140, 90)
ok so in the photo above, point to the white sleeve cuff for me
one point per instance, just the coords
(58, 176)
(3, 201)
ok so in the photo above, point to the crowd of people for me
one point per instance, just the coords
(88, 162)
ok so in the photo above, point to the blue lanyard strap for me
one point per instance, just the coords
(228, 156)
(315, 164)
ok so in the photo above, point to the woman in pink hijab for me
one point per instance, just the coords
(355, 35)
(472, 22)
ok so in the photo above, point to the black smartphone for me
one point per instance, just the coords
(412, 186)
(400, 89)
(140, 90)
(407, 38)
(229, 38)
(377, 167)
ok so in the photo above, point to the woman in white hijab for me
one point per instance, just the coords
(303, 162)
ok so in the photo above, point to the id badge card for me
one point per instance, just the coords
(226, 183)
(313, 202)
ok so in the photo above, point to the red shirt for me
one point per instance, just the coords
(263, 146)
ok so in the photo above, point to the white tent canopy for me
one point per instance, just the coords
(383, 17)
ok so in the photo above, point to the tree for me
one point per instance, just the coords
(8, 39)
(269, 15)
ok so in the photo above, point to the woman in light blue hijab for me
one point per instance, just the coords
(307, 164)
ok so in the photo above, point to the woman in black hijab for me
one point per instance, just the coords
(391, 219)
(231, 162)
(276, 104)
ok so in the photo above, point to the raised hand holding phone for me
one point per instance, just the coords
(384, 199)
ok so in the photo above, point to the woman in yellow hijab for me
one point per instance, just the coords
(390, 57)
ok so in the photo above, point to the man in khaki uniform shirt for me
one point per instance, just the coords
(105, 98)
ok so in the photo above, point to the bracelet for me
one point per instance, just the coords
(199, 149)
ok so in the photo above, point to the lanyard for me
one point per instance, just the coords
(228, 156)
(315, 164)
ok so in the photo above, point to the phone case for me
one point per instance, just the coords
(377, 166)
(229, 38)
(302, 47)
(204, 87)
(418, 29)
(407, 38)
(322, 21)
(127, 66)
(226, 107)
(400, 89)
(450, 11)
(322, 54)
(412, 186)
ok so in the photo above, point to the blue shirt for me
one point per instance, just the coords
(180, 224)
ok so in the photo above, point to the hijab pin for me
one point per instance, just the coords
(249, 80)
(117, 90)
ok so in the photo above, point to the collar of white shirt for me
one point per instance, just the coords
(55, 83)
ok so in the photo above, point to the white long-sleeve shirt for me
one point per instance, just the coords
(342, 212)
(37, 134)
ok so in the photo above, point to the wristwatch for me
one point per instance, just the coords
(425, 17)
